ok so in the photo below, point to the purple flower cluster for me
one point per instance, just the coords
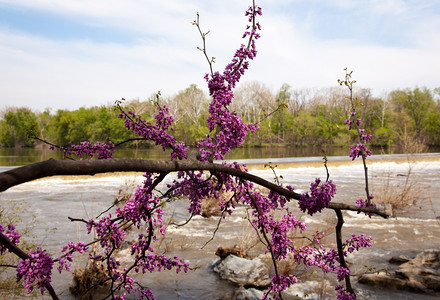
(154, 262)
(239, 187)
(358, 149)
(356, 242)
(364, 203)
(319, 197)
(364, 136)
(280, 243)
(227, 130)
(349, 123)
(139, 207)
(157, 132)
(328, 259)
(342, 272)
(343, 294)
(146, 294)
(89, 150)
(194, 186)
(143, 211)
(72, 247)
(109, 233)
(281, 283)
(11, 234)
(277, 199)
(37, 267)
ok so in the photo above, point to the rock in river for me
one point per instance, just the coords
(421, 275)
(244, 294)
(243, 271)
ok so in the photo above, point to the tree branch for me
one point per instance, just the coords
(341, 250)
(54, 167)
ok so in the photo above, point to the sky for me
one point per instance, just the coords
(66, 54)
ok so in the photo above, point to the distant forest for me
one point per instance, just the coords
(291, 116)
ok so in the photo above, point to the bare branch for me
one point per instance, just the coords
(54, 167)
(341, 250)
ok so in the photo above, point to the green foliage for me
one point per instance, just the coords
(301, 117)
(382, 137)
(91, 124)
(431, 127)
(417, 104)
(282, 122)
(304, 128)
(16, 126)
(262, 135)
(6, 134)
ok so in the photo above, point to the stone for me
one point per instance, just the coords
(224, 251)
(428, 258)
(398, 260)
(244, 272)
(421, 275)
(210, 207)
(384, 280)
(242, 293)
(424, 270)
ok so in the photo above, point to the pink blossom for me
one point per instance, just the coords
(38, 267)
(319, 197)
(11, 234)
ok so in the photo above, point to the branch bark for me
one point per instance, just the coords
(54, 167)
(341, 250)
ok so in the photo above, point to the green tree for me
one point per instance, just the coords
(92, 124)
(329, 122)
(304, 129)
(16, 126)
(416, 104)
(282, 120)
(432, 127)
(106, 126)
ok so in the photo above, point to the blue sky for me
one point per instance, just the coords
(64, 54)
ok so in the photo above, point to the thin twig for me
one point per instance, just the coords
(203, 35)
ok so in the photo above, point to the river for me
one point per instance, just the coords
(416, 227)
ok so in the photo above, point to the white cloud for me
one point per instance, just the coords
(290, 54)
(78, 73)
(40, 72)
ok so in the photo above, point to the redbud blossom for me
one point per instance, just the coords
(38, 267)
(319, 197)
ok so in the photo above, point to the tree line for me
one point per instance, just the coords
(289, 116)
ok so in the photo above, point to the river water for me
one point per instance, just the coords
(416, 227)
